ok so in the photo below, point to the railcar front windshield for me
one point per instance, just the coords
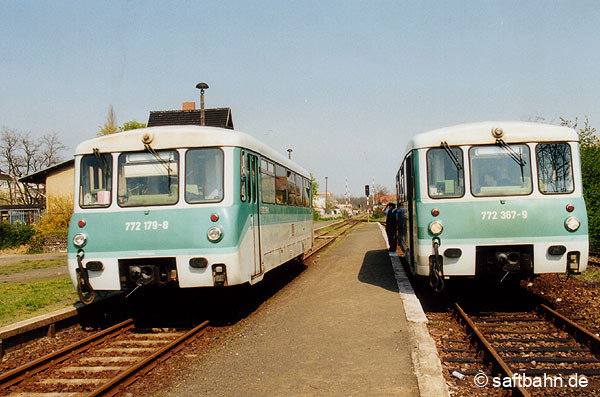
(555, 168)
(148, 178)
(95, 180)
(445, 176)
(204, 175)
(500, 171)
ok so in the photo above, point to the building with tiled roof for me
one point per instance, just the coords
(219, 117)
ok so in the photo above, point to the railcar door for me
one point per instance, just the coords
(410, 190)
(253, 202)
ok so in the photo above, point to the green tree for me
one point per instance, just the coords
(110, 127)
(314, 186)
(132, 125)
(314, 189)
(590, 173)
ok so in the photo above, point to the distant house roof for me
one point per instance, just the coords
(40, 176)
(220, 117)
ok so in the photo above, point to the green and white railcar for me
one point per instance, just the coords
(184, 206)
(492, 198)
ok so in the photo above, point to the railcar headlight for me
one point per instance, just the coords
(435, 227)
(572, 224)
(79, 240)
(214, 234)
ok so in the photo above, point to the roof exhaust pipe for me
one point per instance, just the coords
(202, 87)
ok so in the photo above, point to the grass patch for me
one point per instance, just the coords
(591, 275)
(28, 265)
(20, 301)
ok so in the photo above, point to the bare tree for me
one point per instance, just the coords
(379, 191)
(21, 155)
(51, 149)
(587, 133)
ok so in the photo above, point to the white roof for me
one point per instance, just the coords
(170, 137)
(481, 133)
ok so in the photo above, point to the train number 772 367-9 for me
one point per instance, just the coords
(508, 215)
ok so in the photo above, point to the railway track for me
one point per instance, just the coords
(525, 346)
(107, 361)
(100, 365)
(328, 234)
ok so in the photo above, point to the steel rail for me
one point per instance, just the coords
(331, 224)
(25, 371)
(498, 364)
(129, 376)
(332, 239)
(581, 334)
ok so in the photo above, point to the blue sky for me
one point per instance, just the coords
(345, 84)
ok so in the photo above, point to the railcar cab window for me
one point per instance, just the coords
(555, 168)
(95, 180)
(148, 178)
(500, 171)
(203, 175)
(445, 173)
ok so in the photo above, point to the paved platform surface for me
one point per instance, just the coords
(339, 329)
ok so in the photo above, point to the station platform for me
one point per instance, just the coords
(339, 329)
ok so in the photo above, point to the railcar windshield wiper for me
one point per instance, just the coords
(165, 164)
(452, 156)
(105, 166)
(517, 157)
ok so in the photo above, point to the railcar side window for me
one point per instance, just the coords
(500, 171)
(267, 181)
(293, 190)
(203, 175)
(95, 180)
(243, 176)
(148, 178)
(306, 193)
(445, 173)
(280, 184)
(554, 164)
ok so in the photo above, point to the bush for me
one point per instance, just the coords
(58, 215)
(590, 170)
(47, 242)
(14, 235)
(316, 215)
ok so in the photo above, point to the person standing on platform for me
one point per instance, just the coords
(391, 225)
